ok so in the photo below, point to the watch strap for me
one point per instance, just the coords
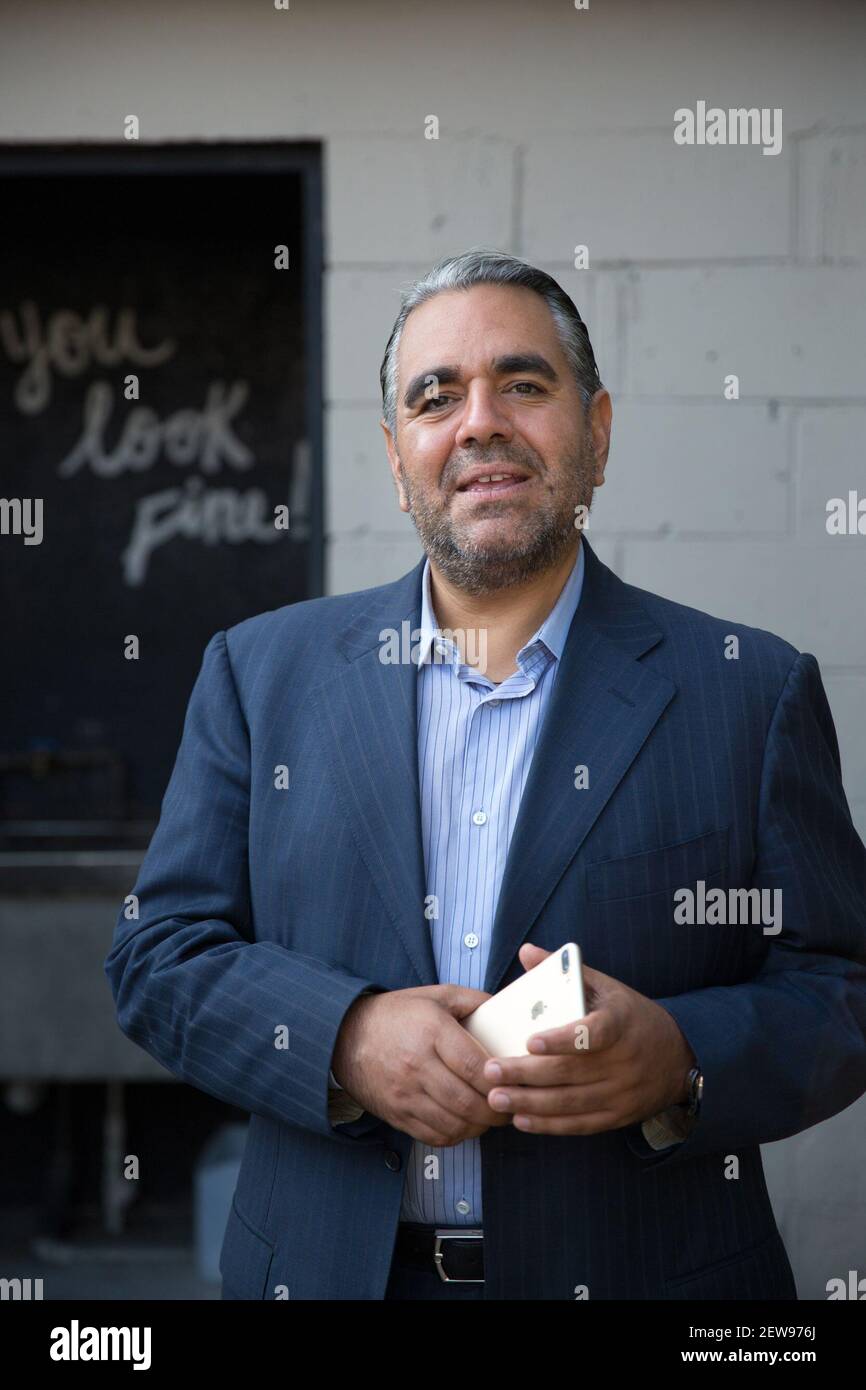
(696, 1092)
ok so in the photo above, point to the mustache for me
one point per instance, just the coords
(495, 459)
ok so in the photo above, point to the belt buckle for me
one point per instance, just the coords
(465, 1233)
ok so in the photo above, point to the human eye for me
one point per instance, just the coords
(530, 384)
(431, 401)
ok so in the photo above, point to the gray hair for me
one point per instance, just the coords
(485, 267)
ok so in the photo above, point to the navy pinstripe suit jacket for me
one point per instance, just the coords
(262, 907)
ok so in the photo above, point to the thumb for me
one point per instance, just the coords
(459, 1000)
(530, 955)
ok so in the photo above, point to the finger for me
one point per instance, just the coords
(462, 1055)
(598, 979)
(428, 1122)
(595, 1123)
(553, 1100)
(455, 1097)
(556, 1070)
(592, 1033)
(597, 985)
(458, 1000)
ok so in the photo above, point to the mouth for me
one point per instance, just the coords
(499, 483)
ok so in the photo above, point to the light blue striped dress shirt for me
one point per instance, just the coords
(475, 746)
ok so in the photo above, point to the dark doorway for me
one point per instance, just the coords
(158, 512)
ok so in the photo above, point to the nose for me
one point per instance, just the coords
(484, 418)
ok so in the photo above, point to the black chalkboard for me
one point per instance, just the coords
(158, 514)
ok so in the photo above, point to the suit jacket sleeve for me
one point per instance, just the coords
(787, 1049)
(248, 1021)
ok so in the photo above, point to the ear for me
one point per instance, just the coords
(396, 467)
(599, 420)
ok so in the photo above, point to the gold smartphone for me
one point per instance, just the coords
(548, 996)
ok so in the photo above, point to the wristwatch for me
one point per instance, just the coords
(695, 1084)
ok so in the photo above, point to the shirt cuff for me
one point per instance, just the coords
(341, 1108)
(670, 1127)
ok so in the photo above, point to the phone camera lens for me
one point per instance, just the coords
(565, 962)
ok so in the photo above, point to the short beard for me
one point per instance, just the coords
(548, 534)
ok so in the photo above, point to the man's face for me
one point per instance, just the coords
(492, 452)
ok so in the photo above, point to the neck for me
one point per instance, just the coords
(503, 621)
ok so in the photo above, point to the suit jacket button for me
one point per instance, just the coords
(393, 1161)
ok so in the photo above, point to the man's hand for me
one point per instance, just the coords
(625, 1061)
(404, 1057)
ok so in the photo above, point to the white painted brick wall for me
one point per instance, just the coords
(830, 461)
(361, 498)
(810, 595)
(360, 308)
(793, 332)
(714, 468)
(360, 563)
(639, 197)
(832, 196)
(460, 189)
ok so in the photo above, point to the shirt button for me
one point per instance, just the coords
(442, 648)
(470, 940)
(480, 818)
(463, 1207)
(392, 1161)
(494, 703)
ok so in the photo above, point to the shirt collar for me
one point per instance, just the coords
(552, 632)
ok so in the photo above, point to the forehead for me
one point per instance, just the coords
(472, 326)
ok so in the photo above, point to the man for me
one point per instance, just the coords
(361, 842)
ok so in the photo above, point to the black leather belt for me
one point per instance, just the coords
(455, 1252)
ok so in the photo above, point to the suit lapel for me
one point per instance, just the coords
(369, 713)
(602, 709)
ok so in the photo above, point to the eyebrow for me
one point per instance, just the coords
(530, 362)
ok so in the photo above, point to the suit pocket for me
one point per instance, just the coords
(660, 870)
(245, 1258)
(761, 1272)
